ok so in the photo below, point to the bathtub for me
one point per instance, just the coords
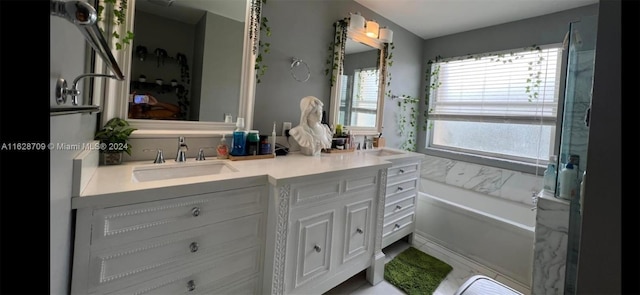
(494, 232)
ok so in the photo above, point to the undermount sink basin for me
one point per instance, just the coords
(383, 152)
(180, 170)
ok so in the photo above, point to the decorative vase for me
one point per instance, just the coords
(111, 158)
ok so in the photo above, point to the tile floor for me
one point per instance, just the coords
(462, 270)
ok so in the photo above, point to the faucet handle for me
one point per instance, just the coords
(200, 156)
(159, 155)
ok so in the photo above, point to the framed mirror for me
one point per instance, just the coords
(357, 90)
(196, 58)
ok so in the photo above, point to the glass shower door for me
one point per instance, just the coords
(575, 128)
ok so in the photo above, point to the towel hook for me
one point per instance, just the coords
(296, 63)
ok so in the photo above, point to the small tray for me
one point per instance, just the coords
(331, 151)
(240, 158)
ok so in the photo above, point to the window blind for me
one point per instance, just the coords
(516, 87)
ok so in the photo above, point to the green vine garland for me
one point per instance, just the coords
(408, 115)
(336, 50)
(119, 10)
(260, 24)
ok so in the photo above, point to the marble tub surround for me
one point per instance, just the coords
(507, 184)
(550, 249)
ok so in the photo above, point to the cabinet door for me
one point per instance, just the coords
(315, 234)
(357, 232)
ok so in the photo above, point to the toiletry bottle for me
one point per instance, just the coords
(239, 139)
(253, 143)
(568, 182)
(273, 138)
(223, 149)
(550, 174)
(265, 146)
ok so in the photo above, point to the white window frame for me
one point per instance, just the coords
(488, 159)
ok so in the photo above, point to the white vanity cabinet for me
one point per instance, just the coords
(324, 230)
(205, 243)
(403, 180)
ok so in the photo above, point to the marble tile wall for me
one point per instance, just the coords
(550, 250)
(511, 185)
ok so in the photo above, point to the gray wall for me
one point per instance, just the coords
(221, 70)
(599, 265)
(67, 51)
(360, 60)
(304, 29)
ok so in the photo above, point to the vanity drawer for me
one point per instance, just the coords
(401, 187)
(318, 192)
(396, 224)
(204, 278)
(404, 204)
(139, 261)
(123, 224)
(402, 169)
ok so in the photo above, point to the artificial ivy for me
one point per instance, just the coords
(119, 10)
(336, 50)
(408, 114)
(259, 24)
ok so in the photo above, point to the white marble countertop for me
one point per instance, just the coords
(114, 185)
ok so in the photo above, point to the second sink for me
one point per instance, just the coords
(180, 170)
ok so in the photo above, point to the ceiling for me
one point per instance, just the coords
(434, 18)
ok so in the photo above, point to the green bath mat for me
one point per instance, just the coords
(415, 272)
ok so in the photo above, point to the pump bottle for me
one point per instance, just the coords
(568, 182)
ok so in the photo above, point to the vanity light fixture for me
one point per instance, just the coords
(386, 35)
(356, 22)
(372, 28)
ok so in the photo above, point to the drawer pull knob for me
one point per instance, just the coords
(191, 285)
(400, 189)
(358, 230)
(397, 226)
(195, 211)
(193, 247)
(398, 207)
(317, 248)
(401, 171)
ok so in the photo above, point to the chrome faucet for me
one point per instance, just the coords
(181, 155)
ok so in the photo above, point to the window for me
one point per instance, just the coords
(362, 100)
(497, 105)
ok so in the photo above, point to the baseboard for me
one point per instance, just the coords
(441, 252)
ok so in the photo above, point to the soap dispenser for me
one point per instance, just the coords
(239, 139)
(223, 148)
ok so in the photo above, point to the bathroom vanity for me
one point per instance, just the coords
(287, 225)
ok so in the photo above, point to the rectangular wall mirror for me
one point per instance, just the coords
(357, 91)
(195, 57)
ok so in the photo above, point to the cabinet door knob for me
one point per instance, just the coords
(317, 248)
(193, 247)
(191, 285)
(398, 207)
(358, 230)
(195, 211)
